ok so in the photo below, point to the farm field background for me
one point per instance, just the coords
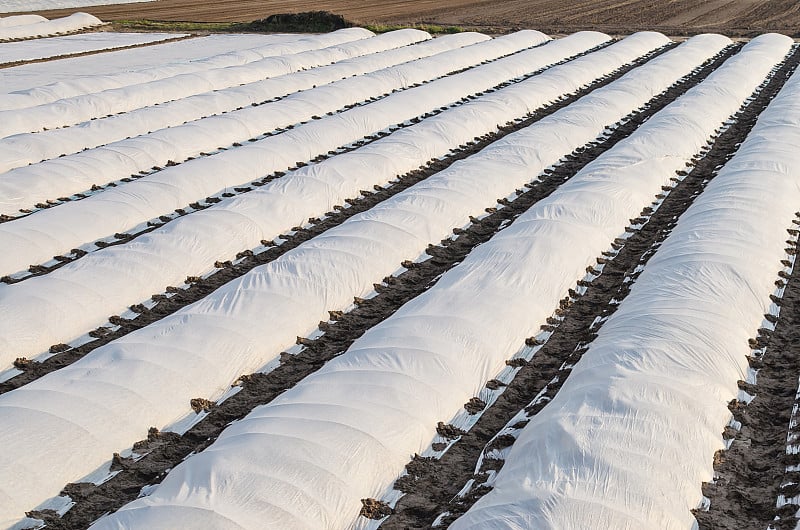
(10, 6)
(673, 17)
(359, 280)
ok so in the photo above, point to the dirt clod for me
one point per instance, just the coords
(374, 509)
(475, 405)
(201, 405)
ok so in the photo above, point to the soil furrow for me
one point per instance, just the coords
(752, 473)
(165, 450)
(232, 191)
(432, 485)
(196, 288)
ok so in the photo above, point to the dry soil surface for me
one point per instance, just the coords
(677, 17)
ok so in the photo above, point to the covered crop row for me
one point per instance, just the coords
(202, 348)
(759, 463)
(50, 48)
(74, 22)
(188, 246)
(164, 451)
(20, 20)
(116, 70)
(38, 237)
(761, 437)
(11, 6)
(433, 489)
(47, 77)
(639, 419)
(314, 50)
(345, 432)
(22, 149)
(477, 455)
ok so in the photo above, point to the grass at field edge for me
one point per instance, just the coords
(251, 27)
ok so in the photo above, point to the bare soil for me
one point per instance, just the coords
(675, 17)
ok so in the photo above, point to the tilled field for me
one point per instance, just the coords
(679, 17)
(466, 279)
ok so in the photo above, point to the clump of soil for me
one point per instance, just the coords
(372, 509)
(314, 21)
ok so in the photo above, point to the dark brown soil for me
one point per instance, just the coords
(164, 452)
(675, 17)
(432, 485)
(751, 473)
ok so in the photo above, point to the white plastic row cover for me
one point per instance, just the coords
(20, 20)
(57, 49)
(338, 45)
(199, 350)
(345, 432)
(43, 28)
(630, 437)
(160, 66)
(38, 237)
(83, 294)
(30, 184)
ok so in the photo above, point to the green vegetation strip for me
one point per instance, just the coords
(308, 22)
(165, 25)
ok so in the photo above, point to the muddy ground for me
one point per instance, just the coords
(675, 17)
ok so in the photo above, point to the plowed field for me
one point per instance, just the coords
(742, 17)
